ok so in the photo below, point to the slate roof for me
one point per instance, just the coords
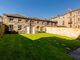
(30, 18)
(15, 15)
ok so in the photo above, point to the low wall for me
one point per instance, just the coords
(2, 28)
(70, 32)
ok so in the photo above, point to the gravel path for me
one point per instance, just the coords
(76, 54)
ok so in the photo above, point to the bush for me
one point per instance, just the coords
(41, 31)
(60, 26)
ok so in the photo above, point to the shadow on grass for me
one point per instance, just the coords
(78, 38)
(18, 47)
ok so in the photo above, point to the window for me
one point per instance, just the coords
(19, 20)
(70, 21)
(42, 22)
(32, 21)
(63, 23)
(11, 18)
(78, 11)
(0, 19)
(47, 23)
(26, 20)
(37, 21)
(78, 26)
(10, 27)
(0, 26)
(78, 19)
(19, 27)
(51, 24)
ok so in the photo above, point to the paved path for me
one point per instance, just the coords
(76, 54)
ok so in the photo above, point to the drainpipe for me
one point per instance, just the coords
(30, 27)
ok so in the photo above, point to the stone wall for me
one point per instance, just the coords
(70, 32)
(2, 28)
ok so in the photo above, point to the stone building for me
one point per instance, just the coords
(38, 25)
(71, 19)
(59, 19)
(16, 23)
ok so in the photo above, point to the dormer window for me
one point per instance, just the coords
(47, 23)
(11, 19)
(19, 20)
(37, 21)
(26, 20)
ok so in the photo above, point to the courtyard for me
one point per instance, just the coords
(41, 46)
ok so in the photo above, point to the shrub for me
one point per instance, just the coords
(41, 31)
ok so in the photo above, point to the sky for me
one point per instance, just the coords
(38, 8)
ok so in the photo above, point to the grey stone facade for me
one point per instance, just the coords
(16, 23)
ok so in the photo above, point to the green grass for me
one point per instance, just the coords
(41, 46)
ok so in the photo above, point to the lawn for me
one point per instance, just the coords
(41, 46)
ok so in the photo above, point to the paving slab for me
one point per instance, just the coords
(76, 54)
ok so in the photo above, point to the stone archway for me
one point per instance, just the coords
(37, 29)
(40, 29)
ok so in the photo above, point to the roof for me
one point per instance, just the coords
(15, 15)
(38, 19)
(75, 10)
(30, 18)
(0, 16)
(72, 11)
